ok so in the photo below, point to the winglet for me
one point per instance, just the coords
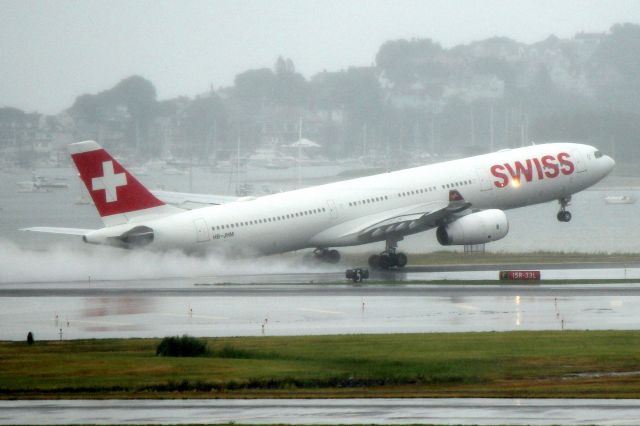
(117, 194)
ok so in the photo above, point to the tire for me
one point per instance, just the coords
(385, 261)
(567, 216)
(333, 256)
(310, 259)
(401, 260)
(560, 216)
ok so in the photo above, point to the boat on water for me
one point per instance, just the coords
(173, 171)
(48, 183)
(619, 199)
(270, 158)
(30, 186)
(83, 201)
(42, 184)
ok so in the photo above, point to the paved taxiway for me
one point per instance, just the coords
(314, 411)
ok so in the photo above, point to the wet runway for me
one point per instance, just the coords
(315, 303)
(312, 303)
(313, 411)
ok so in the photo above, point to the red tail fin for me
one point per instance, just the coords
(113, 189)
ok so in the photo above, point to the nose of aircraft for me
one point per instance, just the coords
(610, 162)
(605, 165)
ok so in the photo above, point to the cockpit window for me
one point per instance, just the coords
(598, 154)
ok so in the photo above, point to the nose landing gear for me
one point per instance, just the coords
(389, 258)
(564, 215)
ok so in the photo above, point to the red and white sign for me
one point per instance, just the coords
(520, 275)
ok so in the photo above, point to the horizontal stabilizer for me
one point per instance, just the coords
(55, 230)
(190, 201)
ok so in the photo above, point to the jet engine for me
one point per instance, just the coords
(475, 228)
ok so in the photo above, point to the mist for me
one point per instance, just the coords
(63, 263)
(54, 51)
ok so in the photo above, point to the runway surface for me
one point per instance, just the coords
(309, 303)
(295, 303)
(314, 411)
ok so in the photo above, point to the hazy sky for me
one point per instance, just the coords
(53, 51)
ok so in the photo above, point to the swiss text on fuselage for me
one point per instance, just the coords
(545, 167)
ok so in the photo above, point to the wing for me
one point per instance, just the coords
(415, 219)
(190, 201)
(55, 230)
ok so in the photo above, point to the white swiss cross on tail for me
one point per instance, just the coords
(124, 196)
(109, 182)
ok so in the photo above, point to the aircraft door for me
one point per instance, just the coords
(202, 230)
(333, 211)
(483, 178)
(579, 161)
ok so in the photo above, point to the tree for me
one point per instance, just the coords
(139, 95)
(253, 88)
(204, 123)
(403, 62)
(12, 115)
(136, 95)
(358, 94)
(615, 68)
(291, 88)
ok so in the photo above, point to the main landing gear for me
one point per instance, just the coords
(564, 215)
(389, 258)
(326, 256)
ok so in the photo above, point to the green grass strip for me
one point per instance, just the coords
(597, 364)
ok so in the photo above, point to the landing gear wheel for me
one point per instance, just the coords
(385, 261)
(564, 216)
(323, 255)
(332, 256)
(389, 258)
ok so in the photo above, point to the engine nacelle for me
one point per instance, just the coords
(475, 228)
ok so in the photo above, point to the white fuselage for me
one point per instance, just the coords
(324, 216)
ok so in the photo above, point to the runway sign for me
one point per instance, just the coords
(519, 275)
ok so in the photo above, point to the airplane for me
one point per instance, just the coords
(464, 200)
